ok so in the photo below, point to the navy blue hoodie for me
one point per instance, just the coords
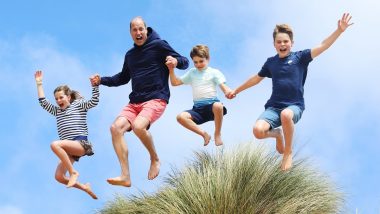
(145, 66)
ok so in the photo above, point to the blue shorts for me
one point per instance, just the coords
(203, 114)
(272, 115)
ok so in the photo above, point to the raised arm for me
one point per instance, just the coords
(174, 80)
(343, 24)
(38, 77)
(252, 81)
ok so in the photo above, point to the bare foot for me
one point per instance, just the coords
(206, 138)
(218, 140)
(279, 142)
(286, 163)
(119, 181)
(87, 189)
(154, 169)
(73, 179)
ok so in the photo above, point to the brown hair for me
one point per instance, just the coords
(201, 51)
(68, 92)
(283, 28)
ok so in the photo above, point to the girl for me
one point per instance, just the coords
(71, 116)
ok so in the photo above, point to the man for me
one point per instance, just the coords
(146, 65)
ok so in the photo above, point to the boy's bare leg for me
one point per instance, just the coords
(288, 128)
(64, 148)
(118, 128)
(262, 130)
(140, 126)
(60, 176)
(186, 121)
(217, 109)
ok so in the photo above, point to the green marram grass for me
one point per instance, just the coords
(244, 180)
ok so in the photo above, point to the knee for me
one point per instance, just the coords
(60, 178)
(54, 145)
(115, 130)
(217, 107)
(138, 129)
(259, 131)
(286, 115)
(182, 117)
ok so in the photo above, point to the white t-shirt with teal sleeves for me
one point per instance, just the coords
(204, 84)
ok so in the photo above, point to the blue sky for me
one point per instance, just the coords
(70, 40)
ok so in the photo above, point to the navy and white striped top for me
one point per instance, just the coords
(72, 121)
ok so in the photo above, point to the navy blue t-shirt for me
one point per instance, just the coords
(288, 78)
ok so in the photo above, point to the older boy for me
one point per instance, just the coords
(288, 71)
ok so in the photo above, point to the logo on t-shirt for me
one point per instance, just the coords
(290, 62)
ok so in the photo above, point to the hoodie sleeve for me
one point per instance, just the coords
(183, 62)
(118, 79)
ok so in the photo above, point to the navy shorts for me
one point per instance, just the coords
(203, 114)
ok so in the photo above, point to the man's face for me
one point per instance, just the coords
(139, 32)
(283, 44)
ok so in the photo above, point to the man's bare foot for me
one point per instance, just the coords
(154, 169)
(206, 138)
(120, 181)
(279, 141)
(286, 163)
(218, 140)
(73, 179)
(87, 189)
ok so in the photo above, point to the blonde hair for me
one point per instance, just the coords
(74, 95)
(283, 28)
(201, 51)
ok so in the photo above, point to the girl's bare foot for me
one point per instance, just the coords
(206, 138)
(119, 181)
(154, 169)
(73, 179)
(87, 189)
(286, 163)
(218, 140)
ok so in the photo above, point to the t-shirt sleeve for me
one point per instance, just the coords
(265, 72)
(186, 78)
(305, 57)
(219, 77)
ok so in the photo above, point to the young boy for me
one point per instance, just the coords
(207, 107)
(288, 71)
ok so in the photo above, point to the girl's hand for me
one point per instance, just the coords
(38, 76)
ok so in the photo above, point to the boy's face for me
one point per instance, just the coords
(283, 44)
(63, 101)
(200, 63)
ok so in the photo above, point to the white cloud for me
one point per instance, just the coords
(10, 209)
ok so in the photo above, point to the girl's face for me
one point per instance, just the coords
(200, 63)
(283, 44)
(63, 100)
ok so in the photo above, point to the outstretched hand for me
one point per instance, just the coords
(95, 80)
(38, 76)
(344, 22)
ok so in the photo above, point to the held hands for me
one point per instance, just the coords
(344, 22)
(231, 94)
(95, 80)
(38, 76)
(171, 62)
